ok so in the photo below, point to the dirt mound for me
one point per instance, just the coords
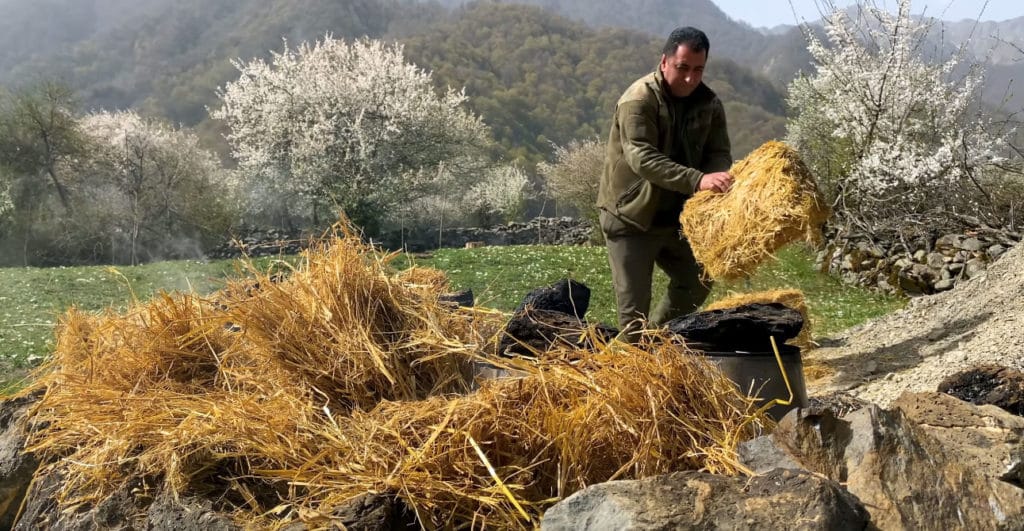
(980, 321)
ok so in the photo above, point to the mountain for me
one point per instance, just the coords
(1000, 45)
(534, 77)
(779, 53)
(729, 38)
(167, 57)
(528, 72)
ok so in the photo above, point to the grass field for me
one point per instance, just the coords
(31, 299)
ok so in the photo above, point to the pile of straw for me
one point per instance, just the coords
(790, 298)
(292, 396)
(773, 201)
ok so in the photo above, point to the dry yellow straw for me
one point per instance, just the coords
(295, 395)
(790, 298)
(773, 201)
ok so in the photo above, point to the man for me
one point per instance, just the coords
(668, 140)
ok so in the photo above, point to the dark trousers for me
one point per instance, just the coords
(632, 256)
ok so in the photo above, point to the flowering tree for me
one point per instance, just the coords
(890, 133)
(6, 205)
(39, 132)
(348, 125)
(573, 176)
(497, 195)
(154, 182)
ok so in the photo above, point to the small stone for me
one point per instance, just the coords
(936, 260)
(974, 268)
(948, 241)
(911, 285)
(922, 272)
(995, 251)
(972, 245)
(944, 285)
(920, 255)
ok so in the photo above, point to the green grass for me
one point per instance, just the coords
(31, 299)
(500, 276)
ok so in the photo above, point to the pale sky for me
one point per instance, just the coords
(768, 13)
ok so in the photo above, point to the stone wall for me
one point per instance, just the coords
(920, 266)
(542, 231)
(546, 231)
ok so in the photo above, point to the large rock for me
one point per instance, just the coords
(16, 466)
(906, 477)
(781, 499)
(369, 512)
(746, 327)
(374, 512)
(985, 439)
(988, 384)
(136, 505)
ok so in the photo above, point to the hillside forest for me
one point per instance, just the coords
(127, 86)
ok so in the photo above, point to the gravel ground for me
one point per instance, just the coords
(979, 321)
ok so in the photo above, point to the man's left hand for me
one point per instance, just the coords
(716, 182)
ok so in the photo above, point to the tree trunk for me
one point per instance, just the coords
(61, 191)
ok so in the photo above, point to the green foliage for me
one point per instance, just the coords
(539, 79)
(33, 298)
(573, 177)
(536, 78)
(501, 276)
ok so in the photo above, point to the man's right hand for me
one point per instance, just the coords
(716, 182)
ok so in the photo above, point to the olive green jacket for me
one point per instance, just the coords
(637, 165)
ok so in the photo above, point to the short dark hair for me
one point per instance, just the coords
(693, 38)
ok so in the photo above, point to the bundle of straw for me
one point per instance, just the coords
(503, 455)
(774, 200)
(790, 298)
(295, 395)
(179, 382)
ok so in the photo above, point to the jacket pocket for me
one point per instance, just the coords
(630, 193)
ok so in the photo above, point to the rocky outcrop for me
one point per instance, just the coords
(988, 384)
(16, 465)
(369, 512)
(780, 499)
(137, 505)
(920, 465)
(984, 439)
(537, 231)
(920, 266)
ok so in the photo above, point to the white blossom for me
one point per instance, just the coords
(348, 124)
(149, 176)
(878, 121)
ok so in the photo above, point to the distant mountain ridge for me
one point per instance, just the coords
(779, 53)
(166, 58)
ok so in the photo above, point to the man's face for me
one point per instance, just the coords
(683, 70)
